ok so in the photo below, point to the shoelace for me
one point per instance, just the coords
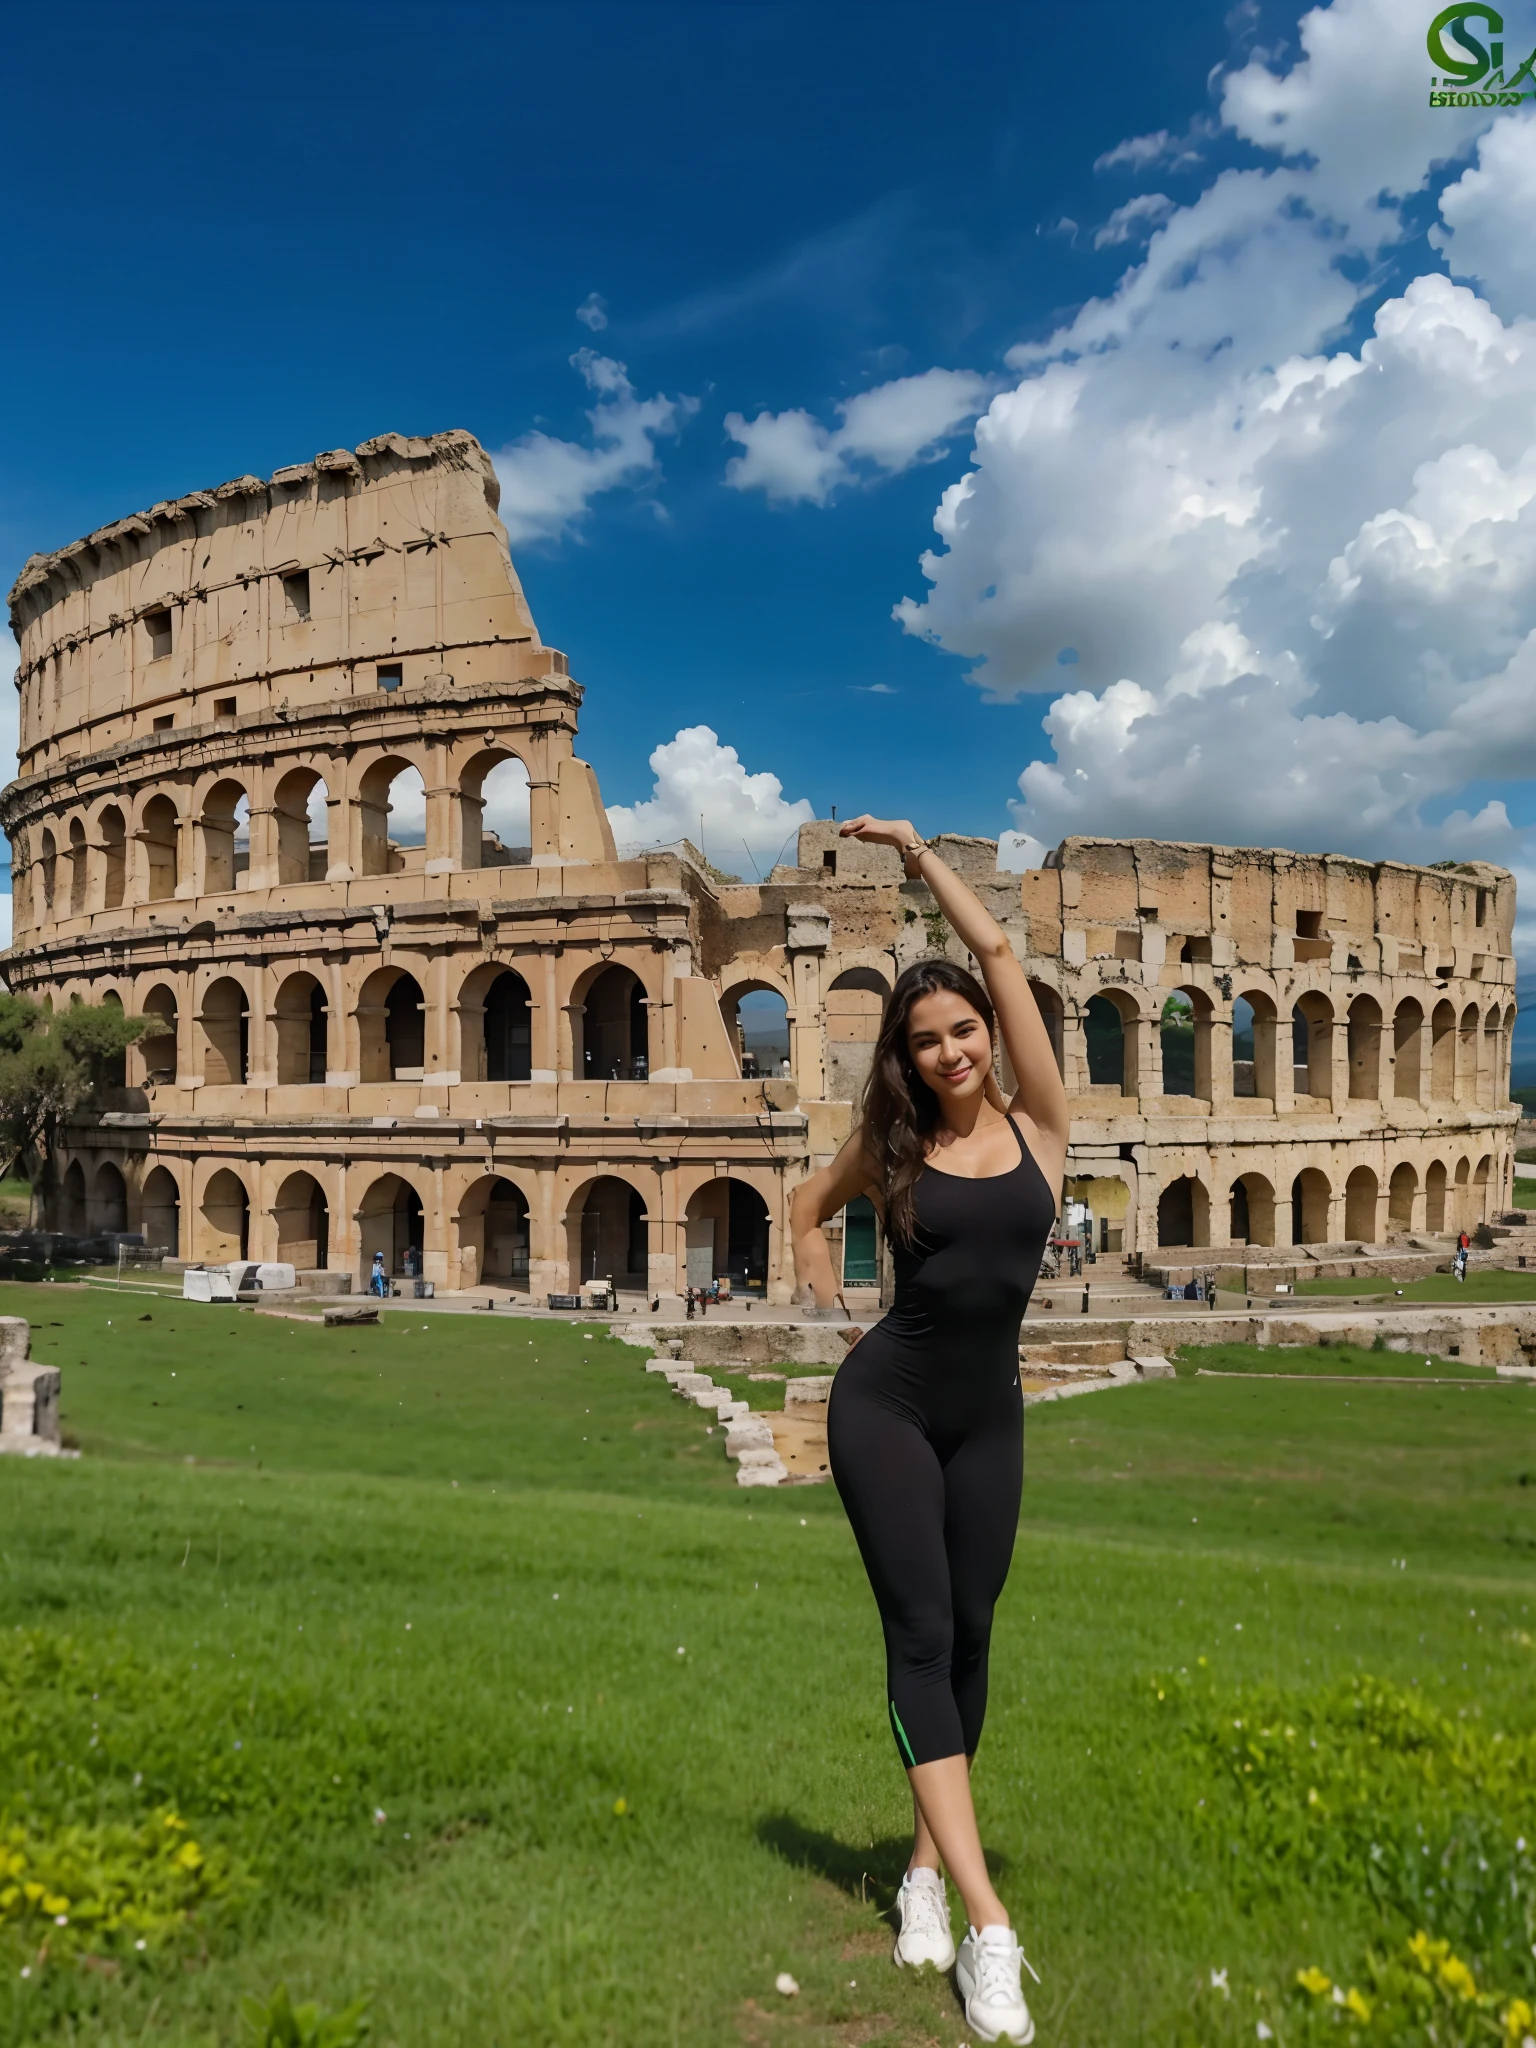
(997, 1968)
(924, 1910)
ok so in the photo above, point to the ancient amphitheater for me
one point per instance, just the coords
(527, 1064)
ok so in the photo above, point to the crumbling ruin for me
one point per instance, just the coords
(531, 1065)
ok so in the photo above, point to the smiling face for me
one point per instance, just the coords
(949, 1045)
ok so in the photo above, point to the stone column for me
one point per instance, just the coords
(808, 939)
(544, 987)
(188, 851)
(547, 1272)
(262, 869)
(262, 1039)
(444, 832)
(343, 826)
(437, 1046)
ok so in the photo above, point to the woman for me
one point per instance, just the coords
(925, 1424)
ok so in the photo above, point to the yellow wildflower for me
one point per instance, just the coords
(56, 1904)
(1359, 2005)
(1314, 1981)
(1455, 1976)
(190, 1857)
(1518, 2020)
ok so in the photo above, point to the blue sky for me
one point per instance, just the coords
(1207, 343)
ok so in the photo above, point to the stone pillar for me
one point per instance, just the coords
(435, 1249)
(438, 1070)
(340, 1029)
(343, 825)
(544, 987)
(261, 869)
(808, 939)
(1220, 1029)
(262, 1039)
(188, 854)
(547, 1272)
(444, 831)
(661, 1234)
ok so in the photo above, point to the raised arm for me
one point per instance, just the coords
(1041, 1100)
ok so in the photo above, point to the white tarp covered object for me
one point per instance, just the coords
(223, 1283)
(206, 1283)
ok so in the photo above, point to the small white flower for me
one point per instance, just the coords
(681, 1651)
(1264, 2033)
(785, 1985)
(557, 1596)
(1338, 1995)
(26, 1969)
(379, 1816)
(1219, 1983)
(141, 1943)
(61, 1919)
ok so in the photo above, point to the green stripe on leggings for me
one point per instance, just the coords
(901, 1735)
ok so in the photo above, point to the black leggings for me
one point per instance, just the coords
(934, 1512)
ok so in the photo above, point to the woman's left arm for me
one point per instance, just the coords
(1041, 1097)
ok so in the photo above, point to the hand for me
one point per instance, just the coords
(897, 832)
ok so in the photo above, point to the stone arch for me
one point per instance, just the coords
(1435, 1195)
(159, 833)
(223, 823)
(756, 1017)
(391, 789)
(1253, 1049)
(612, 1042)
(1252, 1203)
(1460, 1194)
(1111, 1035)
(1507, 1053)
(298, 803)
(114, 856)
(1408, 1050)
(1312, 1047)
(224, 1219)
(853, 1006)
(727, 1228)
(1363, 1034)
(225, 1019)
(1467, 1035)
(607, 1232)
(495, 1009)
(494, 1234)
(1184, 1032)
(47, 877)
(1184, 1212)
(493, 797)
(79, 868)
(159, 1048)
(1362, 1200)
(160, 1207)
(391, 1220)
(1053, 1015)
(300, 1017)
(1442, 1052)
(1481, 1174)
(1311, 1195)
(1490, 1062)
(109, 1199)
(72, 1217)
(391, 1027)
(301, 1217)
(1402, 1191)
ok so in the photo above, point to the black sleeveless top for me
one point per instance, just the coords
(962, 1285)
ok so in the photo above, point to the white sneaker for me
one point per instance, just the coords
(987, 1972)
(923, 1906)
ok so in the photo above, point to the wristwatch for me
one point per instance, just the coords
(913, 850)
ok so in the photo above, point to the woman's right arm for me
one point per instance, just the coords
(827, 1190)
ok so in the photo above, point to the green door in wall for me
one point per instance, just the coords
(861, 1262)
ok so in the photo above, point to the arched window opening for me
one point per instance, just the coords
(1363, 1030)
(854, 1005)
(1466, 1055)
(1360, 1204)
(111, 1200)
(614, 1044)
(72, 1201)
(757, 1022)
(1252, 1218)
(79, 868)
(861, 1243)
(1312, 1048)
(1478, 1212)
(506, 1236)
(727, 1236)
(226, 837)
(1442, 1053)
(303, 1219)
(1107, 1044)
(159, 1047)
(1244, 1079)
(1407, 1051)
(300, 813)
(161, 1209)
(1052, 1015)
(114, 850)
(1184, 1029)
(1183, 1213)
(48, 869)
(226, 1219)
(391, 1221)
(1460, 1196)
(159, 834)
(392, 808)
(508, 1029)
(301, 1016)
(607, 1235)
(226, 1024)
(1401, 1190)
(1491, 1062)
(405, 1029)
(494, 809)
(1310, 1194)
(1435, 1196)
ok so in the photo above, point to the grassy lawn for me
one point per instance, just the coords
(1525, 1194)
(1488, 1285)
(482, 1690)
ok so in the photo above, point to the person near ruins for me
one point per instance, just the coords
(377, 1283)
(925, 1421)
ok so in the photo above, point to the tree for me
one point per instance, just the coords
(50, 1064)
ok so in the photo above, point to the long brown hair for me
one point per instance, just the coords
(900, 1111)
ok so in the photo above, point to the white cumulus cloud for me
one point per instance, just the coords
(1138, 217)
(703, 792)
(593, 312)
(1298, 573)
(547, 484)
(794, 457)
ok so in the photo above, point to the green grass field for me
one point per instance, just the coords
(481, 1690)
(1487, 1285)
